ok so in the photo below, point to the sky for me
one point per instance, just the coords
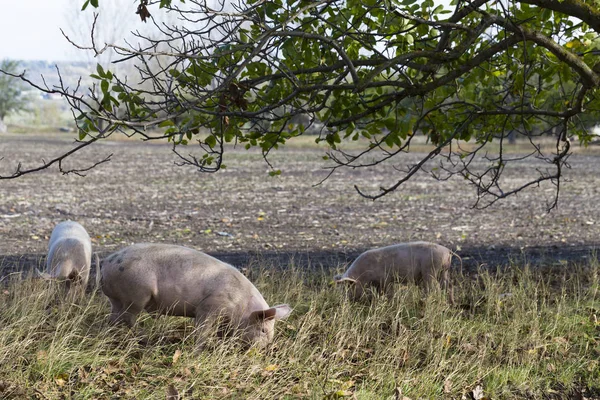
(30, 29)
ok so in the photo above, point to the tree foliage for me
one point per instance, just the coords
(380, 73)
(11, 99)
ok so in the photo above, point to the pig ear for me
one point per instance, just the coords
(349, 281)
(277, 312)
(282, 311)
(263, 315)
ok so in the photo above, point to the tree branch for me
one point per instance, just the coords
(574, 8)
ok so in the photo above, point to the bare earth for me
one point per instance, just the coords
(242, 214)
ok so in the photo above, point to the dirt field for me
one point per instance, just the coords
(242, 213)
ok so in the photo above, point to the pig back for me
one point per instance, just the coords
(69, 229)
(69, 240)
(402, 261)
(177, 279)
(420, 258)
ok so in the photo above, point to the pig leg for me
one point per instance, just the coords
(84, 277)
(116, 309)
(211, 320)
(121, 314)
(205, 328)
(447, 286)
(428, 280)
(75, 284)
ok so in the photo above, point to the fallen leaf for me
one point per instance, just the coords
(447, 386)
(271, 368)
(398, 395)
(448, 340)
(342, 393)
(477, 393)
(176, 356)
(60, 382)
(172, 393)
(41, 355)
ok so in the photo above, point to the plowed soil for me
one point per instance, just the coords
(242, 214)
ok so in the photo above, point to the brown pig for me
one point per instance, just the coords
(418, 262)
(180, 281)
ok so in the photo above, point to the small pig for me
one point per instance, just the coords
(69, 254)
(418, 262)
(180, 281)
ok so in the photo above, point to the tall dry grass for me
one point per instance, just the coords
(516, 334)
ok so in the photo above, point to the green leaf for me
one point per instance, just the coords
(85, 5)
(271, 9)
(104, 87)
(166, 123)
(389, 140)
(546, 14)
(100, 70)
(211, 141)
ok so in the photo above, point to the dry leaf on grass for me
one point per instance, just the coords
(61, 380)
(477, 393)
(176, 356)
(447, 386)
(271, 367)
(172, 393)
(399, 396)
(342, 393)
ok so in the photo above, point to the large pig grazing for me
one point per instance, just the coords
(419, 262)
(69, 254)
(180, 281)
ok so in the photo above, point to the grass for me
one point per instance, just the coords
(519, 334)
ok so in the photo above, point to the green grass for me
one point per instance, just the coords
(518, 334)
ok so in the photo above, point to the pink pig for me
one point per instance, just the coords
(180, 281)
(418, 262)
